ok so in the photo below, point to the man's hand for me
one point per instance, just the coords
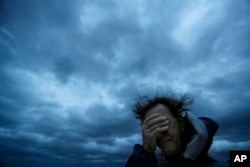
(153, 126)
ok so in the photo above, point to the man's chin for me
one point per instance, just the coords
(168, 149)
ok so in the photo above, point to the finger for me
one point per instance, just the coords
(155, 121)
(159, 125)
(160, 130)
(155, 115)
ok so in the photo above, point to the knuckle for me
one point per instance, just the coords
(154, 133)
(150, 135)
(146, 133)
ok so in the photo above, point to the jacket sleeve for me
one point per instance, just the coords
(141, 158)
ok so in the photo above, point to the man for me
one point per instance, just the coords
(182, 139)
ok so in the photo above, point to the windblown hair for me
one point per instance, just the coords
(176, 106)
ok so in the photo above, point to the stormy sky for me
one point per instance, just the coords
(71, 70)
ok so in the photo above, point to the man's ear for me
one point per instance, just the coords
(182, 123)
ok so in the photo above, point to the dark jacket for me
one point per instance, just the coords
(196, 155)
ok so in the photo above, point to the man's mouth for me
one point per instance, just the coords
(165, 141)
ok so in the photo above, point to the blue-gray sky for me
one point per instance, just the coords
(70, 71)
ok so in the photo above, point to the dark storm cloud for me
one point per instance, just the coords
(59, 22)
(70, 71)
(52, 138)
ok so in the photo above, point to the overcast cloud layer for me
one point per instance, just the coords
(70, 71)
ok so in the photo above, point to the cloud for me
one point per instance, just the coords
(221, 148)
(226, 145)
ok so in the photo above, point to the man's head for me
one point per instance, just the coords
(171, 140)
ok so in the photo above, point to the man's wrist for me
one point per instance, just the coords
(140, 148)
(149, 149)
